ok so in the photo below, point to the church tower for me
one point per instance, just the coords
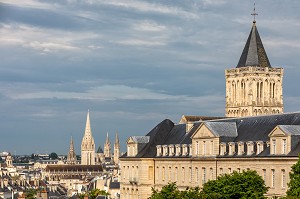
(107, 148)
(88, 145)
(116, 150)
(253, 87)
(71, 158)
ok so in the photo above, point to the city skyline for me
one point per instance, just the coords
(131, 63)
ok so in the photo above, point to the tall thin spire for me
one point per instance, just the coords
(107, 139)
(117, 138)
(88, 144)
(88, 124)
(71, 158)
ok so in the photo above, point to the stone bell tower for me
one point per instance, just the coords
(253, 87)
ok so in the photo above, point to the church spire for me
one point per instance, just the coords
(88, 125)
(107, 139)
(88, 144)
(107, 147)
(117, 139)
(71, 158)
(254, 53)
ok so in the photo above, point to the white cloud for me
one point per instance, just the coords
(149, 26)
(146, 7)
(29, 4)
(137, 42)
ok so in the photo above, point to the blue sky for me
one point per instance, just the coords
(132, 63)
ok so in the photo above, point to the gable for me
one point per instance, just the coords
(203, 132)
(130, 141)
(277, 132)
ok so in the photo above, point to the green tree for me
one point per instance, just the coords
(247, 184)
(170, 191)
(30, 193)
(294, 184)
(53, 156)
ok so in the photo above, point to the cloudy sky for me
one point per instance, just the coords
(132, 63)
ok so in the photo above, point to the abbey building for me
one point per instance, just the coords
(255, 134)
(253, 87)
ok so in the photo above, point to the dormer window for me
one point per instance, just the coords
(273, 150)
(283, 146)
(177, 150)
(231, 148)
(259, 147)
(158, 150)
(171, 150)
(241, 148)
(165, 150)
(190, 149)
(250, 148)
(184, 149)
(223, 148)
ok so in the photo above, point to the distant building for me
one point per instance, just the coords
(71, 158)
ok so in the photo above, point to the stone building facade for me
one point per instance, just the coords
(256, 135)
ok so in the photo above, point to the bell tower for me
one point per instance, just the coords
(253, 87)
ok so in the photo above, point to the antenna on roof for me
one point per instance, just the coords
(253, 14)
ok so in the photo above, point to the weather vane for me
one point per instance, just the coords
(254, 13)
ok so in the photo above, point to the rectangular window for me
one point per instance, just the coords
(197, 148)
(229, 170)
(196, 174)
(190, 173)
(272, 177)
(264, 175)
(183, 174)
(274, 146)
(204, 147)
(163, 173)
(170, 174)
(124, 176)
(283, 178)
(284, 146)
(204, 175)
(221, 170)
(211, 147)
(150, 172)
(211, 173)
(176, 174)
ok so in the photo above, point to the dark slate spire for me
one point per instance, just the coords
(254, 53)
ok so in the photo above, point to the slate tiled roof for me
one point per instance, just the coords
(254, 129)
(84, 168)
(220, 129)
(291, 129)
(254, 53)
(140, 139)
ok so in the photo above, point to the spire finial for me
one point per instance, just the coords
(254, 14)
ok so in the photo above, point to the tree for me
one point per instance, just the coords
(170, 191)
(53, 156)
(247, 184)
(30, 193)
(294, 184)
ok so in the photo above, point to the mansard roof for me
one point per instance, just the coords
(74, 168)
(255, 128)
(254, 53)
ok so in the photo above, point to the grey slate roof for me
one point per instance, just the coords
(254, 53)
(248, 129)
(100, 150)
(290, 129)
(220, 129)
(140, 139)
